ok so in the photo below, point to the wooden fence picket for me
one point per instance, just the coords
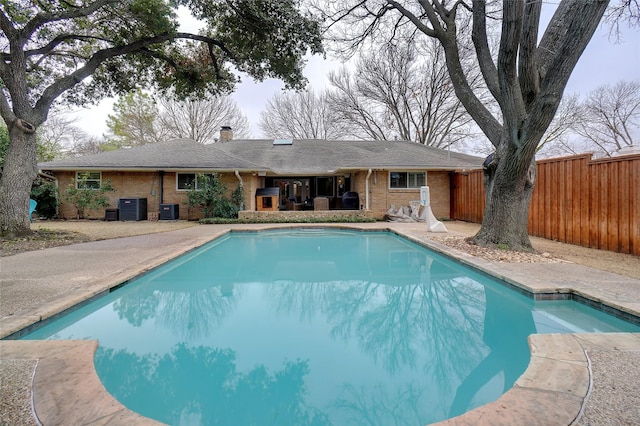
(592, 203)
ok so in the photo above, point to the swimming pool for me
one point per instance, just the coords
(314, 327)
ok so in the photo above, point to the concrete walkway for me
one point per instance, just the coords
(572, 379)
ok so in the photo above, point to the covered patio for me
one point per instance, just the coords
(307, 193)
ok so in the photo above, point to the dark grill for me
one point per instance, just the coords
(350, 200)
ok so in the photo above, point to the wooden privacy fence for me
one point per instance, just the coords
(591, 203)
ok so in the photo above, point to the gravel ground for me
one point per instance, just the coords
(15, 391)
(546, 251)
(459, 242)
(614, 400)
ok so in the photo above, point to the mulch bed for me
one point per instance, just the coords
(39, 240)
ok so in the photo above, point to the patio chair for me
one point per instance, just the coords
(321, 203)
(32, 208)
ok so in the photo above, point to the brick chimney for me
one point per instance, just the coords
(226, 134)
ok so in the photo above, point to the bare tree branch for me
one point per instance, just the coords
(510, 99)
(67, 82)
(44, 18)
(481, 44)
(201, 120)
(528, 73)
(611, 117)
(403, 93)
(302, 115)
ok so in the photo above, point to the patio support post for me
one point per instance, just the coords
(239, 183)
(161, 189)
(366, 190)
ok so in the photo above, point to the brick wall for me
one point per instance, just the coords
(439, 189)
(147, 185)
(382, 197)
(357, 185)
(139, 185)
(291, 214)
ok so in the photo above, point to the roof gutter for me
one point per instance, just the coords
(366, 190)
(167, 169)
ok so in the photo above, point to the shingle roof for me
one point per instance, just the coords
(179, 154)
(313, 156)
(302, 157)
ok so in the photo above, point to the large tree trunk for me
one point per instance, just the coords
(527, 81)
(509, 184)
(15, 184)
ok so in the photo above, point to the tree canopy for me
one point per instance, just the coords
(526, 75)
(80, 51)
(132, 121)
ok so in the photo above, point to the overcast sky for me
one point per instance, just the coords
(605, 61)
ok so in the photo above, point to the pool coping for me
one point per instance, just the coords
(613, 303)
(553, 390)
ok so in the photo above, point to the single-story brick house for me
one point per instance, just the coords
(381, 173)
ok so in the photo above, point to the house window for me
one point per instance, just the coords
(88, 180)
(324, 186)
(404, 180)
(186, 181)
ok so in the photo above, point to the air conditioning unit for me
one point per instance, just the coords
(133, 208)
(169, 212)
(111, 215)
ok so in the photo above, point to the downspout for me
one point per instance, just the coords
(241, 186)
(366, 189)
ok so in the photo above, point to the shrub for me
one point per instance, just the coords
(84, 199)
(45, 193)
(209, 197)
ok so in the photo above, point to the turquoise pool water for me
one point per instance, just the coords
(314, 327)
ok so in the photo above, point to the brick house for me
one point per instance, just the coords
(303, 174)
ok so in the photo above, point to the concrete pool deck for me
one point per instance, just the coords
(572, 379)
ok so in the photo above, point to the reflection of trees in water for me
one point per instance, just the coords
(194, 314)
(377, 406)
(188, 314)
(434, 327)
(202, 386)
(422, 319)
(395, 324)
(305, 300)
(435, 323)
(137, 305)
(505, 330)
(455, 320)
